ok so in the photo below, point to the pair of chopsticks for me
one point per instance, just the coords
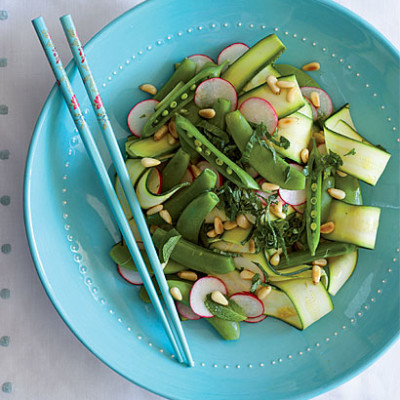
(171, 322)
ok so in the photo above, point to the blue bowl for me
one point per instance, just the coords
(64, 201)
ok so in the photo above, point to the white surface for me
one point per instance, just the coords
(44, 359)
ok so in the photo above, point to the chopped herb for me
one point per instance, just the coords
(231, 312)
(352, 152)
(143, 116)
(256, 282)
(287, 173)
(169, 244)
(331, 160)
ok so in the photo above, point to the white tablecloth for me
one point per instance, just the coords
(40, 359)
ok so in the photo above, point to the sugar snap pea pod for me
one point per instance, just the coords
(221, 108)
(191, 112)
(182, 97)
(328, 182)
(205, 181)
(191, 135)
(228, 330)
(213, 129)
(170, 95)
(196, 257)
(269, 165)
(192, 217)
(183, 73)
(121, 255)
(313, 192)
(324, 250)
(174, 171)
(351, 186)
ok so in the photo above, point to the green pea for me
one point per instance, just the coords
(313, 226)
(229, 171)
(314, 187)
(313, 201)
(313, 214)
(184, 96)
(199, 149)
(219, 162)
(208, 152)
(197, 143)
(190, 135)
(193, 87)
(173, 104)
(165, 113)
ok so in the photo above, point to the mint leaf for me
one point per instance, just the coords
(166, 248)
(256, 283)
(231, 312)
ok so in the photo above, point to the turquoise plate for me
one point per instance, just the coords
(64, 202)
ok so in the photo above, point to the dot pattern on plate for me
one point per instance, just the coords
(74, 249)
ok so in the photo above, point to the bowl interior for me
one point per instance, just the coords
(63, 200)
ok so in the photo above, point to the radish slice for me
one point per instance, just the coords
(188, 177)
(263, 196)
(199, 292)
(251, 304)
(139, 115)
(154, 184)
(313, 109)
(130, 275)
(293, 197)
(257, 110)
(326, 106)
(244, 263)
(202, 165)
(232, 53)
(200, 60)
(186, 311)
(255, 319)
(212, 89)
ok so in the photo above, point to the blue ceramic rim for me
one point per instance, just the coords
(370, 359)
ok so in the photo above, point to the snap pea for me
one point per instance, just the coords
(185, 72)
(213, 129)
(328, 182)
(351, 186)
(221, 108)
(121, 255)
(174, 171)
(205, 181)
(170, 95)
(313, 192)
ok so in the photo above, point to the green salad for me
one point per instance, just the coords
(249, 180)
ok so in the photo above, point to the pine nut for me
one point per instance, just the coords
(328, 227)
(155, 209)
(271, 82)
(219, 298)
(188, 275)
(319, 137)
(291, 94)
(212, 233)
(153, 228)
(337, 193)
(148, 88)
(150, 162)
(341, 174)
(285, 84)
(312, 66)
(277, 209)
(243, 222)
(275, 259)
(304, 155)
(269, 187)
(321, 262)
(218, 226)
(263, 292)
(171, 140)
(246, 275)
(195, 170)
(176, 293)
(172, 129)
(160, 133)
(285, 122)
(207, 113)
(316, 274)
(314, 97)
(166, 216)
(252, 246)
(229, 225)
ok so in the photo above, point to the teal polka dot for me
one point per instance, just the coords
(4, 341)
(6, 387)
(3, 62)
(4, 154)
(6, 248)
(3, 15)
(3, 109)
(5, 200)
(5, 293)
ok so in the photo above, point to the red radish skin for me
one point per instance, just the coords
(139, 115)
(155, 182)
(255, 319)
(188, 177)
(232, 53)
(186, 311)
(251, 304)
(130, 275)
(326, 105)
(313, 109)
(212, 89)
(202, 165)
(257, 110)
(201, 288)
(200, 60)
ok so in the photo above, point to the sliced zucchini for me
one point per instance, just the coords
(306, 110)
(150, 148)
(230, 247)
(311, 301)
(303, 273)
(148, 199)
(342, 114)
(298, 133)
(354, 224)
(216, 212)
(260, 78)
(340, 269)
(264, 52)
(367, 163)
(237, 235)
(302, 77)
(278, 101)
(343, 128)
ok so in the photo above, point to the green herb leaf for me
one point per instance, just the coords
(287, 174)
(256, 283)
(231, 312)
(331, 160)
(168, 246)
(352, 152)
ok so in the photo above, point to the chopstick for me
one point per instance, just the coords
(174, 332)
